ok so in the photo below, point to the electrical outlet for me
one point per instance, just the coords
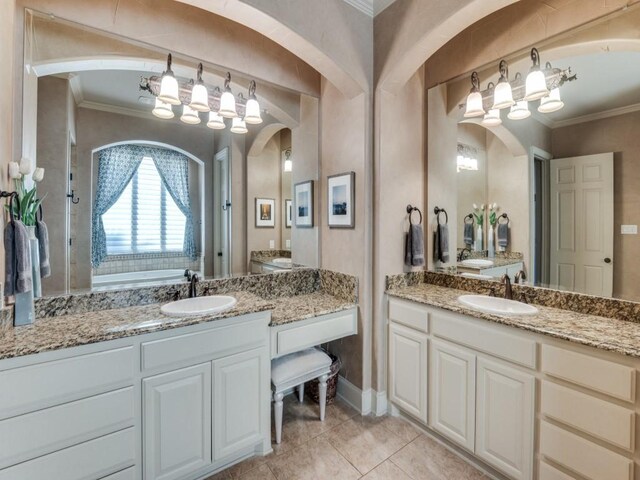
(629, 230)
(272, 244)
(288, 243)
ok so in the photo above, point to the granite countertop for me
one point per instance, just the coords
(65, 331)
(497, 262)
(618, 336)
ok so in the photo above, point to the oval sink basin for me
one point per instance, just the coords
(498, 306)
(285, 262)
(477, 263)
(477, 276)
(190, 307)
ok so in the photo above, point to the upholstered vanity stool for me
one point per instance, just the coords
(294, 370)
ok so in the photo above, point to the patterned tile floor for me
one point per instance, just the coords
(347, 446)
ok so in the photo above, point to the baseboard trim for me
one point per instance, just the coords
(366, 402)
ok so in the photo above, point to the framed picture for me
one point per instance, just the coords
(341, 199)
(303, 204)
(288, 212)
(265, 213)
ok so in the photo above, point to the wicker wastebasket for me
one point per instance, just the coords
(332, 382)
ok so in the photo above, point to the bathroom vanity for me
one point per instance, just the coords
(511, 390)
(130, 393)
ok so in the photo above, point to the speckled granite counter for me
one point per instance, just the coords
(290, 297)
(600, 332)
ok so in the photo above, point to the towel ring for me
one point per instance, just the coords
(506, 217)
(39, 214)
(12, 197)
(438, 211)
(469, 217)
(410, 210)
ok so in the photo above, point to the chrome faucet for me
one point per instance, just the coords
(192, 278)
(461, 255)
(520, 277)
(508, 292)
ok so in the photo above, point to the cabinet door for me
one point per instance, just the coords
(177, 423)
(452, 392)
(241, 401)
(408, 370)
(505, 418)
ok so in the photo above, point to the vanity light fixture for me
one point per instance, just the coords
(536, 83)
(492, 118)
(169, 85)
(519, 111)
(503, 95)
(288, 163)
(195, 97)
(474, 99)
(552, 102)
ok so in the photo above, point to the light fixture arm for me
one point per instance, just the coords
(227, 82)
(503, 68)
(535, 58)
(199, 75)
(168, 71)
(475, 82)
(252, 89)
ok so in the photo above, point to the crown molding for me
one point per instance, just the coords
(365, 6)
(614, 112)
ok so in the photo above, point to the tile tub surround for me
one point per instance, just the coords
(576, 302)
(610, 334)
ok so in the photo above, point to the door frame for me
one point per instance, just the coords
(546, 157)
(220, 156)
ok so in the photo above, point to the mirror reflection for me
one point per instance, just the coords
(545, 145)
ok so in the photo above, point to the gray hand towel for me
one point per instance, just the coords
(468, 233)
(503, 235)
(443, 243)
(17, 259)
(42, 232)
(414, 246)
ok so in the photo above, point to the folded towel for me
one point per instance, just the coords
(414, 246)
(443, 243)
(42, 232)
(503, 235)
(17, 259)
(468, 234)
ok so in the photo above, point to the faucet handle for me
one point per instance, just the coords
(188, 274)
(524, 298)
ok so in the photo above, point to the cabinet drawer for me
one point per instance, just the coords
(63, 426)
(323, 330)
(604, 420)
(484, 338)
(202, 345)
(409, 314)
(600, 375)
(547, 472)
(44, 385)
(127, 474)
(95, 459)
(582, 456)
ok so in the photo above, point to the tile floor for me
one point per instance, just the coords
(347, 446)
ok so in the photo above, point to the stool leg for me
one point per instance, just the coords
(322, 390)
(277, 413)
(301, 392)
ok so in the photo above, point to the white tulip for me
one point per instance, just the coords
(495, 206)
(14, 170)
(482, 207)
(475, 206)
(25, 166)
(38, 174)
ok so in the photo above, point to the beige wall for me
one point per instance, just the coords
(619, 135)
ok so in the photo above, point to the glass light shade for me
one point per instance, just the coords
(519, 111)
(189, 115)
(252, 112)
(216, 122)
(169, 90)
(228, 105)
(288, 165)
(535, 86)
(199, 98)
(552, 102)
(238, 126)
(162, 110)
(492, 118)
(474, 105)
(502, 96)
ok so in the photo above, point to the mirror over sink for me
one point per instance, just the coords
(155, 163)
(543, 145)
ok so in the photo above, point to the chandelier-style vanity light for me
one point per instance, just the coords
(195, 98)
(540, 84)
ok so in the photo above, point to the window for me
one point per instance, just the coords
(145, 219)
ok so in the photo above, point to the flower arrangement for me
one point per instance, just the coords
(478, 213)
(493, 213)
(29, 203)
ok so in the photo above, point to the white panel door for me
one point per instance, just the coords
(241, 401)
(581, 246)
(505, 418)
(408, 370)
(452, 392)
(177, 423)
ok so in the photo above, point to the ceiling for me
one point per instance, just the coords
(115, 88)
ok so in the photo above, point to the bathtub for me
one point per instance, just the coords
(138, 279)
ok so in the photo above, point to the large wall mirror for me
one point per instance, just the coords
(134, 197)
(545, 189)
